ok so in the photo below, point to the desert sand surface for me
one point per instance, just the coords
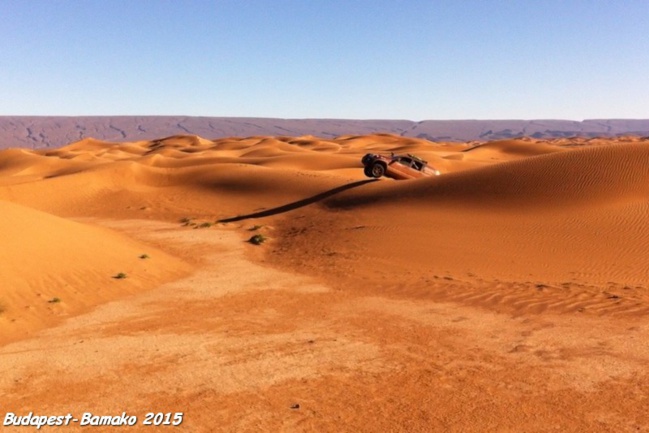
(508, 294)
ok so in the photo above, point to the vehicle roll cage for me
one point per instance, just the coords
(415, 157)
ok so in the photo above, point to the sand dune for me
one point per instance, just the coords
(53, 267)
(591, 177)
(519, 180)
(551, 186)
(520, 147)
(515, 275)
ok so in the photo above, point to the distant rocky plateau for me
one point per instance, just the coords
(54, 131)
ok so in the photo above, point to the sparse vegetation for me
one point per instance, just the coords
(120, 276)
(257, 239)
(145, 256)
(189, 222)
(54, 300)
(254, 228)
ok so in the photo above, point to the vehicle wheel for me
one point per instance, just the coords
(378, 170)
(367, 171)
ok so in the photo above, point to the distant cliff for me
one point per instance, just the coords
(55, 131)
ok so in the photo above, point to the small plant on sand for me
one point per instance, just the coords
(257, 239)
(145, 256)
(54, 300)
(120, 276)
(205, 225)
(254, 228)
(185, 221)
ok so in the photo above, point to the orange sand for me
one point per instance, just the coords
(508, 294)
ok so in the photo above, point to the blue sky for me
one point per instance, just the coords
(354, 59)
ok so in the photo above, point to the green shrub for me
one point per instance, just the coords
(257, 239)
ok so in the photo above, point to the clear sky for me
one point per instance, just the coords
(354, 59)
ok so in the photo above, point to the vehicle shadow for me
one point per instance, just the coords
(297, 204)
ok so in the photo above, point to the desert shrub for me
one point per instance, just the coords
(145, 256)
(120, 276)
(205, 225)
(254, 228)
(54, 300)
(257, 239)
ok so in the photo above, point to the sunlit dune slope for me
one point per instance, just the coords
(509, 149)
(589, 177)
(52, 267)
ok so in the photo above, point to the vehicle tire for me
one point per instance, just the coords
(368, 171)
(377, 170)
